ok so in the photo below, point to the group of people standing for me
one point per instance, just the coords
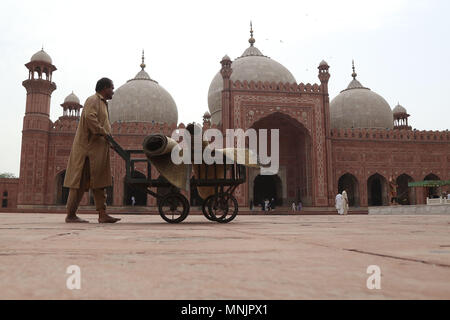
(296, 207)
(342, 203)
(266, 205)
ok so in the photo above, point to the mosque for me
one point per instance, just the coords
(356, 142)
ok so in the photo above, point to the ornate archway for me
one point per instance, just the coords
(349, 183)
(295, 158)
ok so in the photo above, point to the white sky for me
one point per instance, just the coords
(401, 50)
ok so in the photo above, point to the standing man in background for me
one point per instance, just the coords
(89, 164)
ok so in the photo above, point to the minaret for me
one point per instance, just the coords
(226, 72)
(36, 128)
(324, 77)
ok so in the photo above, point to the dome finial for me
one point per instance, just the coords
(353, 67)
(143, 58)
(251, 40)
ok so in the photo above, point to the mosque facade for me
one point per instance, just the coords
(354, 142)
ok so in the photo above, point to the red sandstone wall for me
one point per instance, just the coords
(364, 152)
(128, 135)
(11, 187)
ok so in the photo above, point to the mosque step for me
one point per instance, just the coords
(193, 211)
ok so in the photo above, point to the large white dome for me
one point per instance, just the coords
(142, 99)
(252, 65)
(359, 107)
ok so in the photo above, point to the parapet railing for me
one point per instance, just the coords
(438, 201)
(273, 86)
(391, 134)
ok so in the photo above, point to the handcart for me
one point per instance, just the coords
(173, 206)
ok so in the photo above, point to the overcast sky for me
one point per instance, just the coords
(401, 50)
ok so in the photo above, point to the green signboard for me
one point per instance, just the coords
(430, 184)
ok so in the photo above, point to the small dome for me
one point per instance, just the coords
(142, 99)
(72, 98)
(252, 65)
(359, 107)
(399, 109)
(207, 114)
(323, 63)
(41, 56)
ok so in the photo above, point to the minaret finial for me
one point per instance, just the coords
(353, 67)
(251, 40)
(143, 58)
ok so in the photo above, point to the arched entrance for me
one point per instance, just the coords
(432, 192)
(349, 183)
(377, 190)
(405, 196)
(267, 187)
(294, 182)
(62, 193)
(140, 196)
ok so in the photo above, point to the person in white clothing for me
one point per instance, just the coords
(339, 203)
(293, 206)
(266, 205)
(345, 202)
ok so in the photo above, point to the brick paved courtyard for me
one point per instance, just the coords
(254, 257)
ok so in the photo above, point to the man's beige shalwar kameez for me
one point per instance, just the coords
(89, 163)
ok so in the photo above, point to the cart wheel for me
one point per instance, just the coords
(222, 207)
(205, 208)
(173, 207)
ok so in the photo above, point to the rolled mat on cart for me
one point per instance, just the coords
(158, 149)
